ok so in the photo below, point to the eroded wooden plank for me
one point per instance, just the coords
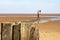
(6, 31)
(16, 32)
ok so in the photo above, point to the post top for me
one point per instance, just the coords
(39, 10)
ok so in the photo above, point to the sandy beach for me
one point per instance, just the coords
(47, 31)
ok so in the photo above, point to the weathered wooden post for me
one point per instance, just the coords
(6, 31)
(34, 34)
(29, 32)
(16, 32)
(25, 28)
(38, 13)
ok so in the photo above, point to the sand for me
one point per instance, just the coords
(48, 31)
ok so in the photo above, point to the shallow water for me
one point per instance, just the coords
(57, 18)
(50, 19)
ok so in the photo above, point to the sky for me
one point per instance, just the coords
(30, 6)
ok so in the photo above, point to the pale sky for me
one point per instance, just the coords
(29, 6)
